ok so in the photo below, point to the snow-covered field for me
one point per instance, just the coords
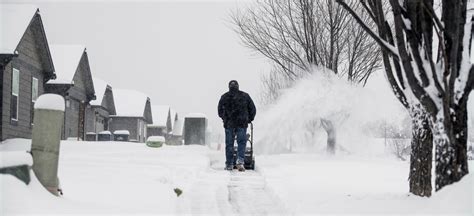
(131, 178)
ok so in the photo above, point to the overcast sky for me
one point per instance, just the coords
(181, 53)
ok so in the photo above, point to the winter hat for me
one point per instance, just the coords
(233, 84)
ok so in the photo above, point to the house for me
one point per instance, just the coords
(174, 118)
(25, 65)
(133, 113)
(177, 135)
(74, 73)
(100, 108)
(162, 122)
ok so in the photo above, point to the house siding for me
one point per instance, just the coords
(77, 96)
(98, 117)
(29, 63)
(96, 122)
(156, 131)
(133, 124)
(71, 119)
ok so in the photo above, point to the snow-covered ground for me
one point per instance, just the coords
(131, 178)
(312, 184)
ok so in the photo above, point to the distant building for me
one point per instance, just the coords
(195, 126)
(177, 135)
(162, 123)
(25, 65)
(72, 64)
(174, 118)
(101, 108)
(133, 113)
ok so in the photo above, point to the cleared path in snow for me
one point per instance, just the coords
(233, 193)
(249, 195)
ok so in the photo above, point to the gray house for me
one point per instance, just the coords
(133, 113)
(177, 135)
(25, 66)
(100, 109)
(162, 122)
(174, 118)
(74, 73)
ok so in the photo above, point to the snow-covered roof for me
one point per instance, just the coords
(160, 115)
(178, 127)
(99, 86)
(14, 20)
(66, 59)
(173, 114)
(196, 115)
(129, 103)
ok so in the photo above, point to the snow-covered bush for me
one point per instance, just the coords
(358, 113)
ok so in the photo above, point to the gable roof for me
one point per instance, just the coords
(130, 103)
(66, 60)
(14, 20)
(178, 127)
(174, 117)
(99, 86)
(160, 115)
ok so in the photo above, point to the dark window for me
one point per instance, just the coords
(15, 94)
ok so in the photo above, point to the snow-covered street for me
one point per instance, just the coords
(131, 178)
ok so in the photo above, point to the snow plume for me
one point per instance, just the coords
(293, 123)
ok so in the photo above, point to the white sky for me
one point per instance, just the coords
(179, 53)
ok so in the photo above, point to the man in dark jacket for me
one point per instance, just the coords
(237, 110)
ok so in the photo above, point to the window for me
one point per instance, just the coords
(34, 89)
(15, 94)
(141, 128)
(34, 96)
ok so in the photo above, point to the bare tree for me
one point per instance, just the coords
(272, 84)
(433, 80)
(297, 34)
(331, 141)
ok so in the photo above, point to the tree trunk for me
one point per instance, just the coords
(421, 153)
(450, 139)
(460, 128)
(331, 131)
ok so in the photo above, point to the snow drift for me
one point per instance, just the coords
(293, 123)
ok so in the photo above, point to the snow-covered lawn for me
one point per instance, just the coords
(110, 177)
(131, 178)
(309, 184)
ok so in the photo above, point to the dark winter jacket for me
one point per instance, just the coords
(236, 109)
